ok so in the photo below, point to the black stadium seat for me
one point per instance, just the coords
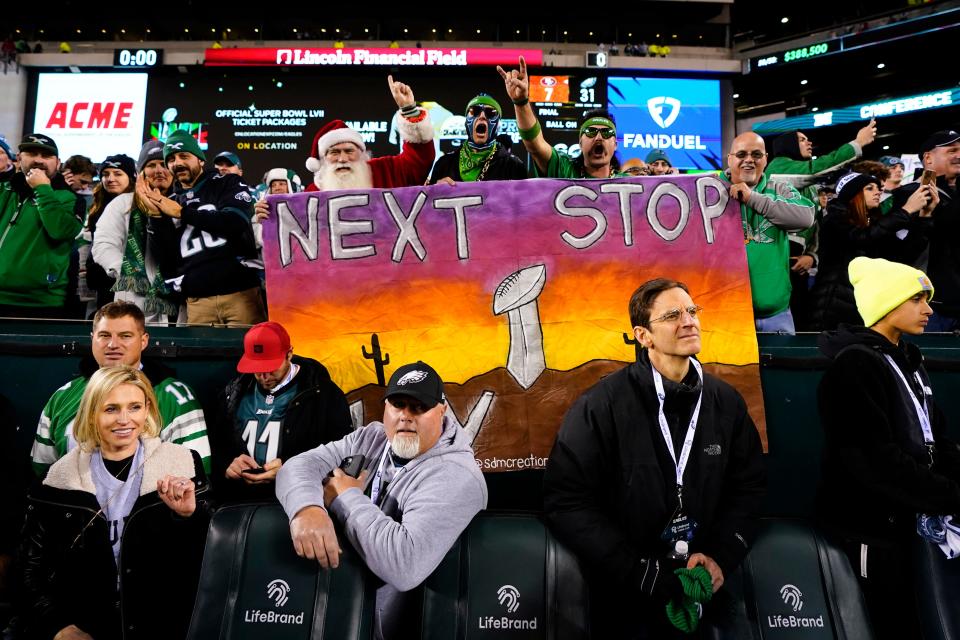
(506, 577)
(795, 584)
(938, 590)
(253, 585)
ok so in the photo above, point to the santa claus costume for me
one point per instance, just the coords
(408, 168)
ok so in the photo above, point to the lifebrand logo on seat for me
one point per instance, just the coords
(793, 598)
(509, 597)
(278, 591)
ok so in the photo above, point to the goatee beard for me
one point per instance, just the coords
(406, 446)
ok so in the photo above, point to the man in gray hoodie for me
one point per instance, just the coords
(419, 489)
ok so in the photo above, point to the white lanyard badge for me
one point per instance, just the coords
(681, 465)
(376, 486)
(923, 413)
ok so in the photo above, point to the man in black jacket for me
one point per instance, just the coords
(656, 459)
(940, 153)
(203, 233)
(280, 406)
(481, 156)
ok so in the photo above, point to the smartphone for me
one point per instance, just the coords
(255, 471)
(928, 177)
(353, 465)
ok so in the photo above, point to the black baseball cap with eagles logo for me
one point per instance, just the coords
(39, 141)
(419, 381)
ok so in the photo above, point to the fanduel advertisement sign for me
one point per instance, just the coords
(94, 114)
(679, 116)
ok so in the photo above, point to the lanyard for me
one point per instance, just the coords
(376, 485)
(681, 465)
(923, 413)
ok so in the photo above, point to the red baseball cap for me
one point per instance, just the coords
(265, 348)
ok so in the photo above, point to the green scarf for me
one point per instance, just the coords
(697, 590)
(133, 271)
(473, 163)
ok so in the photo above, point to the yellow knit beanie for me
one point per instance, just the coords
(880, 286)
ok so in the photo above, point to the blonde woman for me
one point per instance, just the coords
(123, 503)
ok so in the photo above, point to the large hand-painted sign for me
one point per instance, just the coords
(516, 292)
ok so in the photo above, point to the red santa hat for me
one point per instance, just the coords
(332, 133)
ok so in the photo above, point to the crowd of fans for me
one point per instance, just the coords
(835, 240)
(123, 229)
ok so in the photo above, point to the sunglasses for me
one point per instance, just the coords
(675, 314)
(490, 112)
(742, 155)
(416, 407)
(605, 132)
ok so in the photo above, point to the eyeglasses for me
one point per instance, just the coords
(675, 314)
(605, 132)
(742, 155)
(416, 407)
(490, 112)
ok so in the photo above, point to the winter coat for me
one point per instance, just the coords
(942, 260)
(610, 484)
(318, 414)
(840, 242)
(37, 229)
(69, 572)
(875, 473)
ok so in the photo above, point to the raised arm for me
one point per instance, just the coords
(517, 84)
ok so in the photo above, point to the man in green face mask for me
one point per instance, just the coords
(481, 156)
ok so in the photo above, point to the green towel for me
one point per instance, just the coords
(697, 589)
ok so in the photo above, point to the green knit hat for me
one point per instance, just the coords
(484, 99)
(181, 140)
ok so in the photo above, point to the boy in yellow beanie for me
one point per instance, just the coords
(886, 456)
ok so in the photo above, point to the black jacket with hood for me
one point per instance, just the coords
(317, 414)
(610, 484)
(68, 570)
(840, 242)
(876, 473)
(941, 260)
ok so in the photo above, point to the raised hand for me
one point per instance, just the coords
(402, 93)
(516, 82)
(868, 134)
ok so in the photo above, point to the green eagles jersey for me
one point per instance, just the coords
(768, 250)
(181, 420)
(260, 420)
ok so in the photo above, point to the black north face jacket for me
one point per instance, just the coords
(610, 484)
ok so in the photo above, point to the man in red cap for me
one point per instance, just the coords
(280, 406)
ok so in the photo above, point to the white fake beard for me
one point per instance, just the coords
(359, 177)
(406, 446)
